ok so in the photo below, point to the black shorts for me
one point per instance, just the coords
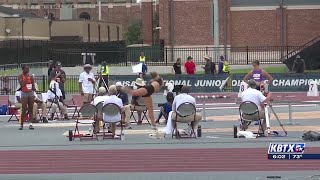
(150, 90)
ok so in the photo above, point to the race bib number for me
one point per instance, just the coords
(29, 86)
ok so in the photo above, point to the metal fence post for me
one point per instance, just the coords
(166, 56)
(247, 54)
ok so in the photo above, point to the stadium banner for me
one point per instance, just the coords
(211, 83)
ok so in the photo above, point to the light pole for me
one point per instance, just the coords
(171, 30)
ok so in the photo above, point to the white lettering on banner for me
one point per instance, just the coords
(179, 82)
(206, 83)
(293, 82)
(236, 82)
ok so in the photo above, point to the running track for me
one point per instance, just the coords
(148, 160)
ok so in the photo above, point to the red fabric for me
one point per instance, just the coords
(13, 111)
(28, 81)
(190, 67)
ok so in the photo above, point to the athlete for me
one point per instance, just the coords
(27, 95)
(259, 75)
(155, 85)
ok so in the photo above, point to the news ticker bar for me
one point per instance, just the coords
(293, 156)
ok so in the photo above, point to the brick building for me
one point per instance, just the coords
(241, 22)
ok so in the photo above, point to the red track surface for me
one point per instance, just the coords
(148, 160)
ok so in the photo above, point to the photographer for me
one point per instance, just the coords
(60, 76)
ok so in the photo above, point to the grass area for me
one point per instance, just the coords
(11, 72)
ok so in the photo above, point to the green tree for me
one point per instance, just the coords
(133, 35)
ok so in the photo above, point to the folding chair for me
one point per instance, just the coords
(184, 110)
(248, 108)
(77, 102)
(85, 115)
(99, 107)
(140, 101)
(4, 100)
(111, 109)
(12, 111)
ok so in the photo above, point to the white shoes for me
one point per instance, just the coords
(156, 134)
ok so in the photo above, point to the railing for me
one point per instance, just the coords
(116, 53)
(300, 48)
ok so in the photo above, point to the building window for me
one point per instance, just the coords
(108, 33)
(85, 16)
(118, 33)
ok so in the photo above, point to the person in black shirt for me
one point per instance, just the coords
(126, 107)
(60, 76)
(177, 66)
(210, 66)
(299, 65)
(50, 69)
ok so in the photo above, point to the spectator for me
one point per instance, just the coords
(50, 68)
(44, 112)
(112, 98)
(86, 84)
(17, 104)
(144, 70)
(184, 97)
(102, 96)
(210, 66)
(59, 76)
(5, 80)
(126, 107)
(176, 69)
(253, 95)
(136, 101)
(55, 101)
(166, 107)
(189, 66)
(223, 66)
(299, 65)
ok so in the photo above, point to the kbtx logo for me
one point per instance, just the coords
(286, 148)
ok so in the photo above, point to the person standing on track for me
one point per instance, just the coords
(258, 75)
(146, 92)
(87, 84)
(27, 95)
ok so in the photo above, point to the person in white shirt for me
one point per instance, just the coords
(253, 95)
(55, 100)
(87, 84)
(184, 97)
(102, 96)
(37, 103)
(112, 98)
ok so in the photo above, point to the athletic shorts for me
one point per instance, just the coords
(27, 94)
